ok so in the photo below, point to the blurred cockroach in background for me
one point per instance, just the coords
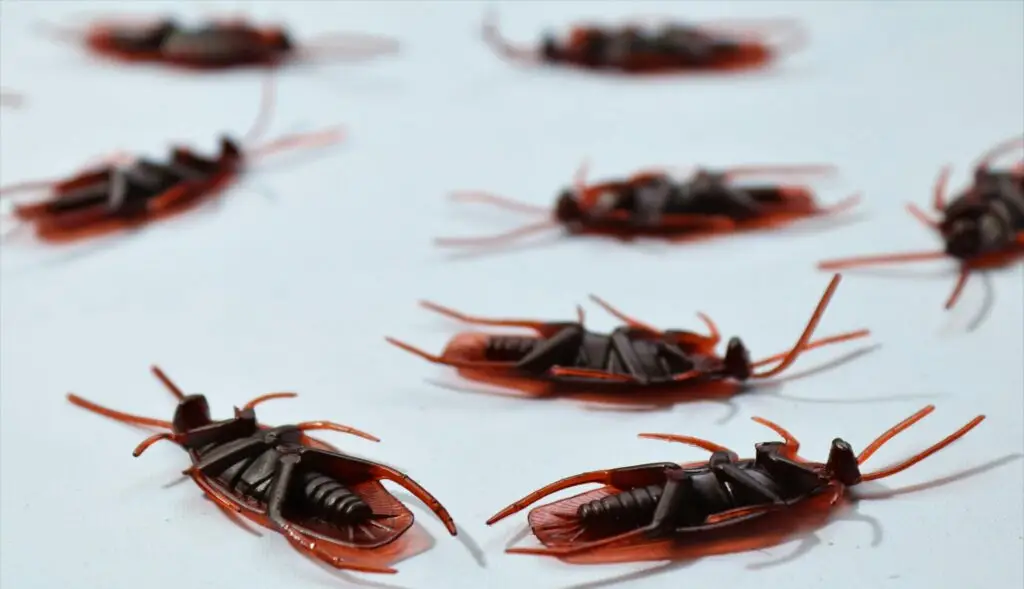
(982, 227)
(651, 203)
(218, 44)
(721, 46)
(126, 191)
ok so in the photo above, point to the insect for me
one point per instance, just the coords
(982, 227)
(219, 44)
(645, 504)
(669, 48)
(565, 355)
(126, 192)
(653, 204)
(328, 505)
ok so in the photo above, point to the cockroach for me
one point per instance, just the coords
(653, 204)
(668, 48)
(217, 45)
(126, 192)
(328, 505)
(565, 355)
(650, 503)
(982, 227)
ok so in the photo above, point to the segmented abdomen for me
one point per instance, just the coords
(332, 501)
(628, 509)
(508, 348)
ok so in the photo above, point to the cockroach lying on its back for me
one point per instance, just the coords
(328, 505)
(129, 192)
(220, 44)
(563, 357)
(670, 48)
(982, 227)
(652, 203)
(643, 506)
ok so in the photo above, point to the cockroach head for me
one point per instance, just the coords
(550, 48)
(567, 207)
(737, 360)
(277, 40)
(192, 412)
(230, 151)
(842, 463)
(975, 231)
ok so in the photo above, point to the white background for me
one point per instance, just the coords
(292, 281)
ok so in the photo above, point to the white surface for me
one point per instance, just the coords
(295, 291)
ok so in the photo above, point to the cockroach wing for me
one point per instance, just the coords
(215, 46)
(392, 519)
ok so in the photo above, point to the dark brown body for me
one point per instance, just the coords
(112, 197)
(988, 218)
(690, 496)
(626, 351)
(647, 201)
(214, 46)
(277, 472)
(636, 50)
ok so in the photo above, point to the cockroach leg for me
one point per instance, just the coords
(268, 397)
(690, 441)
(792, 444)
(117, 415)
(633, 476)
(306, 426)
(921, 216)
(465, 318)
(634, 323)
(901, 466)
(939, 190)
(892, 432)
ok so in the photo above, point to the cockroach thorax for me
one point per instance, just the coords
(567, 207)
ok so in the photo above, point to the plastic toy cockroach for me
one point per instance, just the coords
(126, 192)
(645, 504)
(328, 505)
(221, 44)
(653, 204)
(670, 48)
(563, 356)
(982, 227)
